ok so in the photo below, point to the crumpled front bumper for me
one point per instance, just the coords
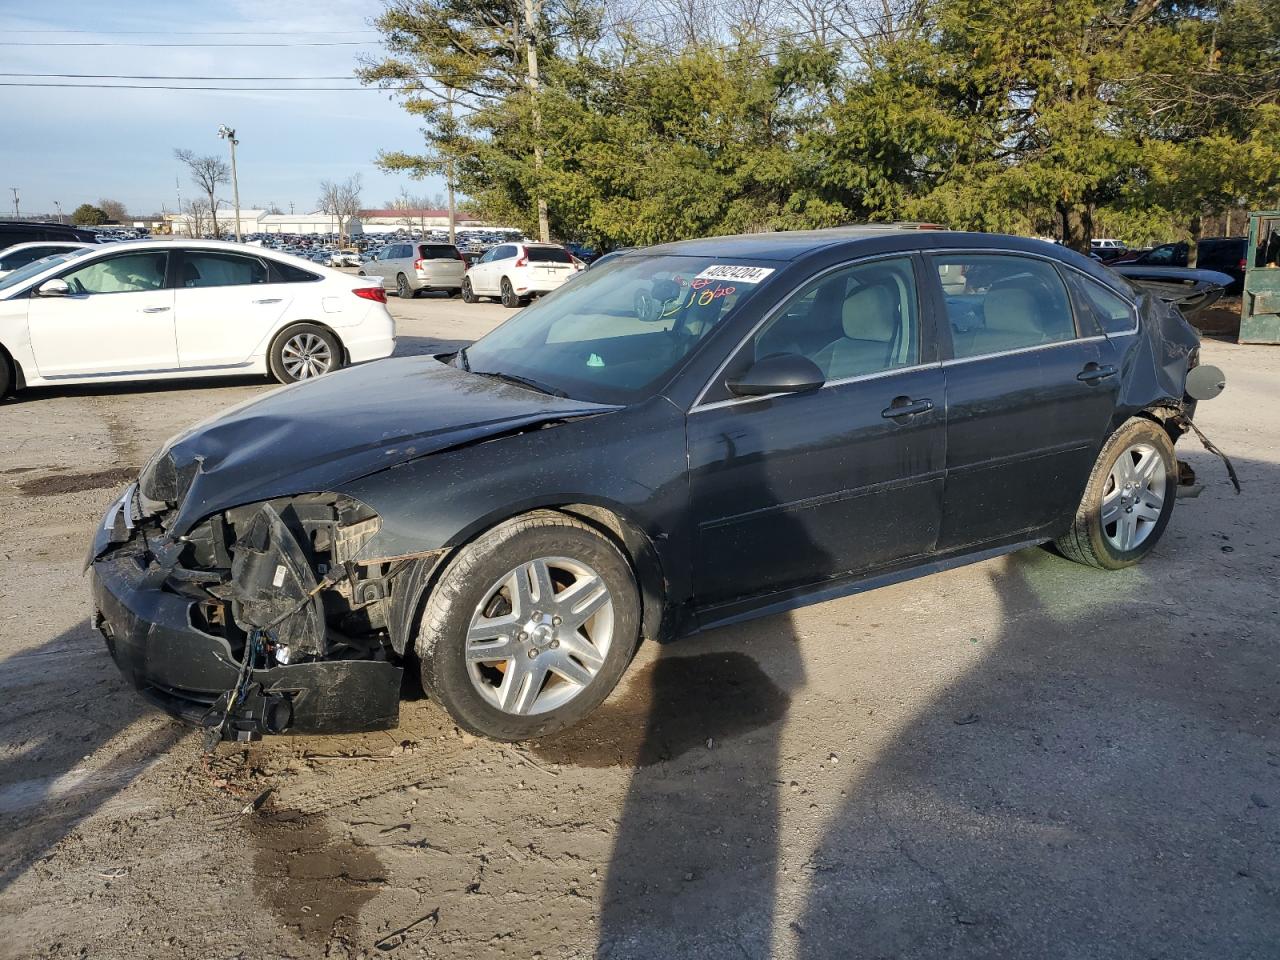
(151, 636)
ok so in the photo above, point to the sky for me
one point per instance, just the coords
(79, 145)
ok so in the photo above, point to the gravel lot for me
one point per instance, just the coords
(1020, 758)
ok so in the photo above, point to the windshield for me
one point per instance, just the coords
(615, 334)
(36, 266)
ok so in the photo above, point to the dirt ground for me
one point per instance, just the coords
(1020, 758)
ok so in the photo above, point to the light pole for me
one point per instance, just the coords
(16, 214)
(59, 208)
(227, 133)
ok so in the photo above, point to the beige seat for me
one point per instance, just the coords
(871, 319)
(1013, 320)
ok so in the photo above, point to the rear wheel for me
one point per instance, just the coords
(1128, 501)
(6, 376)
(455, 292)
(402, 287)
(303, 352)
(529, 628)
(468, 295)
(509, 298)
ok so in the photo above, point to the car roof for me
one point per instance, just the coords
(74, 244)
(794, 244)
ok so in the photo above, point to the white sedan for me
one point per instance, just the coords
(163, 309)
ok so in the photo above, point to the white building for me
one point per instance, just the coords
(366, 222)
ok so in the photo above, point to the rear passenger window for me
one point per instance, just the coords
(1001, 303)
(1101, 309)
(220, 270)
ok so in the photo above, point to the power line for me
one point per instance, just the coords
(164, 76)
(192, 33)
(115, 43)
(163, 86)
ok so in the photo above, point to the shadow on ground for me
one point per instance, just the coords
(1104, 783)
(74, 734)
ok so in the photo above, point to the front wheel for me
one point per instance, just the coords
(303, 352)
(1128, 501)
(529, 628)
(468, 295)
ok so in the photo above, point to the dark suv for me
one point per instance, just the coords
(1224, 254)
(31, 231)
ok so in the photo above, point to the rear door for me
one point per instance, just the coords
(224, 305)
(1029, 398)
(118, 318)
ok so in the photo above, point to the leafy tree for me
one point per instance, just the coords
(88, 215)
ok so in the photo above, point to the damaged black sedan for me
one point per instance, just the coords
(695, 434)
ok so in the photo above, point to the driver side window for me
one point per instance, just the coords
(127, 273)
(851, 322)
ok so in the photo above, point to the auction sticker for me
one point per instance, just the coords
(735, 273)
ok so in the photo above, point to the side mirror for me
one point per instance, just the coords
(54, 288)
(781, 373)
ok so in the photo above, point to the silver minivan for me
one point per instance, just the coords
(410, 267)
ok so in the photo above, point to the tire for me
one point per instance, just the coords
(455, 292)
(304, 340)
(403, 290)
(6, 375)
(542, 701)
(1141, 512)
(468, 295)
(509, 298)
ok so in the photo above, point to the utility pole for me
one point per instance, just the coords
(448, 176)
(229, 134)
(531, 46)
(59, 209)
(16, 215)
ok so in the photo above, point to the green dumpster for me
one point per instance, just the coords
(1260, 303)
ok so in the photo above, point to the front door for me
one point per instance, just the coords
(224, 305)
(1029, 400)
(117, 318)
(801, 488)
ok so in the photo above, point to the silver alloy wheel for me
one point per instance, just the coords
(1134, 497)
(306, 355)
(540, 636)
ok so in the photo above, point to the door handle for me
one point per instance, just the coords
(906, 407)
(1093, 372)
(155, 310)
(269, 300)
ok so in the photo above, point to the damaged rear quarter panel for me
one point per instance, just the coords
(1154, 360)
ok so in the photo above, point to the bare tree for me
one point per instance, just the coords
(207, 173)
(115, 210)
(197, 215)
(341, 201)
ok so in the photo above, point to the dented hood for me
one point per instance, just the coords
(314, 435)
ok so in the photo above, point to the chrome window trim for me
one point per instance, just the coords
(908, 255)
(954, 361)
